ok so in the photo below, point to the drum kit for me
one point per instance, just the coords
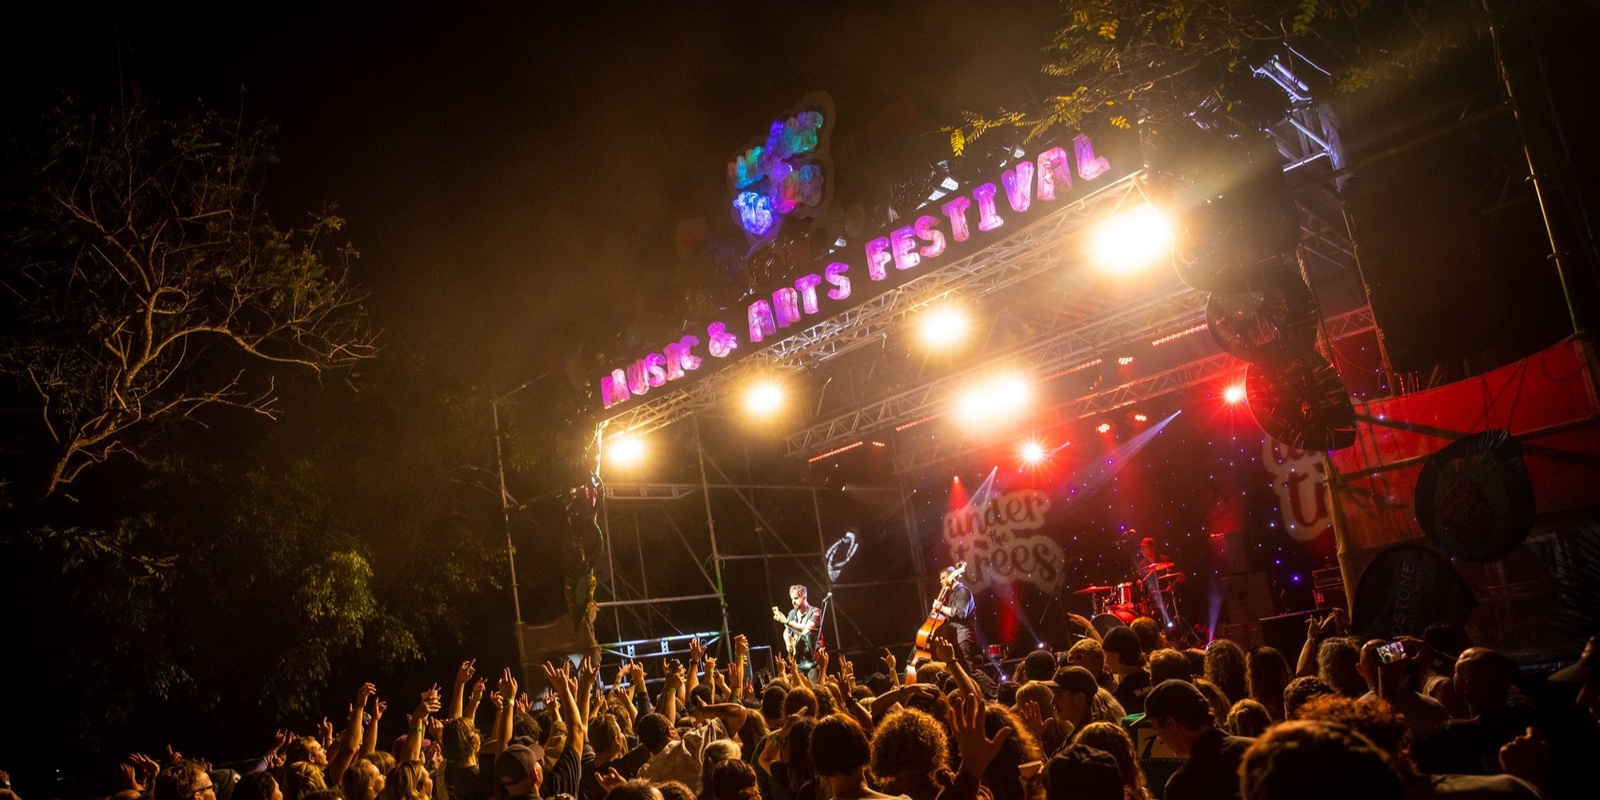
(1120, 604)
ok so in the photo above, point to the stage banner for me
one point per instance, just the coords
(999, 535)
(1301, 482)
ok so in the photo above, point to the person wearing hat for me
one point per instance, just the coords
(520, 769)
(1183, 721)
(1587, 672)
(1081, 772)
(1125, 661)
(1072, 690)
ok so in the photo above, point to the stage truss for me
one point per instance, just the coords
(1045, 309)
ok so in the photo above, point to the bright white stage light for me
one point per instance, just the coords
(997, 399)
(1132, 239)
(763, 398)
(943, 326)
(1234, 394)
(1104, 427)
(1141, 418)
(1032, 453)
(624, 451)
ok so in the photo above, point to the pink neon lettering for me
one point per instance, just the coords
(721, 343)
(1019, 186)
(807, 284)
(1053, 172)
(786, 307)
(686, 357)
(835, 275)
(761, 323)
(878, 258)
(638, 380)
(655, 366)
(988, 220)
(928, 231)
(674, 353)
(904, 244)
(1090, 166)
(613, 388)
(956, 211)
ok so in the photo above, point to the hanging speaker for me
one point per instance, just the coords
(1269, 322)
(1303, 404)
(1474, 498)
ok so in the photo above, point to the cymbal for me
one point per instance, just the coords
(1094, 589)
(1159, 566)
(1169, 576)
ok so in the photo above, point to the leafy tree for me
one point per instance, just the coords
(143, 281)
(1121, 62)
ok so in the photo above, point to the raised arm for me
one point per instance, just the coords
(427, 704)
(369, 745)
(349, 742)
(668, 707)
(588, 672)
(697, 654)
(463, 676)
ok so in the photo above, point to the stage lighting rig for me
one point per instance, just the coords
(1131, 240)
(624, 451)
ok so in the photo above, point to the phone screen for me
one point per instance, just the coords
(1391, 652)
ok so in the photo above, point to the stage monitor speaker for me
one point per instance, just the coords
(1286, 633)
(1244, 634)
(1235, 555)
(1247, 597)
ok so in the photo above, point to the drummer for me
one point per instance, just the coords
(1150, 568)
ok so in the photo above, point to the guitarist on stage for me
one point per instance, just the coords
(800, 630)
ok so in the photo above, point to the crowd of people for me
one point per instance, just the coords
(1118, 717)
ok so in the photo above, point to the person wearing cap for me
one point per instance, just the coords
(1125, 661)
(1080, 772)
(1587, 672)
(1072, 690)
(520, 769)
(1184, 722)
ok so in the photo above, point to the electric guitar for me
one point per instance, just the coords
(791, 637)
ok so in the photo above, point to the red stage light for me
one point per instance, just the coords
(1234, 394)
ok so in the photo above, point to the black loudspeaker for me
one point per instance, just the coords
(1286, 633)
(1235, 554)
(1244, 634)
(1247, 597)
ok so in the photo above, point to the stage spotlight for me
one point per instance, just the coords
(1234, 394)
(997, 399)
(1032, 453)
(1104, 427)
(943, 326)
(1132, 239)
(763, 398)
(624, 451)
(1140, 418)
(1125, 361)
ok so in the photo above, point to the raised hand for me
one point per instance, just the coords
(588, 671)
(508, 685)
(364, 694)
(778, 615)
(887, 658)
(1032, 718)
(977, 749)
(609, 779)
(148, 767)
(325, 732)
(696, 651)
(465, 672)
(711, 666)
(128, 778)
(637, 670)
(435, 728)
(524, 703)
(477, 689)
(822, 661)
(741, 646)
(428, 702)
(280, 740)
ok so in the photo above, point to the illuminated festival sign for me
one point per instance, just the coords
(786, 173)
(964, 223)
